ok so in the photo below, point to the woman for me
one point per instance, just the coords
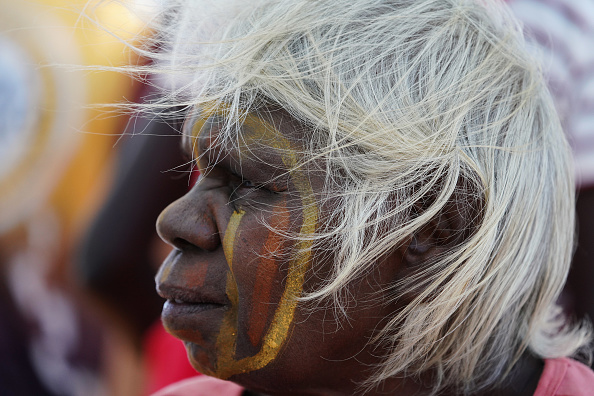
(385, 203)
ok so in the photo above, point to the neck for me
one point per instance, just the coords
(523, 379)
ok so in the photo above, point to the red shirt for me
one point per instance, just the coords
(565, 377)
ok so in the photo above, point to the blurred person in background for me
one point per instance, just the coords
(55, 162)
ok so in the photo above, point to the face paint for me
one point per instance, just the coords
(233, 281)
(259, 131)
(267, 267)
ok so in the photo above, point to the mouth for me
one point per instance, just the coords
(187, 311)
(183, 295)
(176, 306)
(183, 300)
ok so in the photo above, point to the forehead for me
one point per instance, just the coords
(208, 131)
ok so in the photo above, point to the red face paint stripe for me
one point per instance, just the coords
(268, 266)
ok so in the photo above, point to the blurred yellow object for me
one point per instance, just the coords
(66, 148)
(56, 154)
(84, 183)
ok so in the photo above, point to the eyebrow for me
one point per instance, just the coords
(230, 158)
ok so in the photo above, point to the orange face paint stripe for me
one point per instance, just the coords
(284, 314)
(268, 265)
(198, 278)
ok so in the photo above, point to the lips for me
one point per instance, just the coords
(196, 298)
(189, 315)
(183, 301)
(178, 314)
(186, 296)
(190, 278)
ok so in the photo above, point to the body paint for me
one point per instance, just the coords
(268, 265)
(231, 235)
(278, 331)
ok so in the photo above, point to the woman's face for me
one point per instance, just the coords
(232, 279)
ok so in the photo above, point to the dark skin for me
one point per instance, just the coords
(230, 281)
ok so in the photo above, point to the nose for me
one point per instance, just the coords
(189, 223)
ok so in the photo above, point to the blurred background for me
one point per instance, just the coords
(80, 190)
(81, 187)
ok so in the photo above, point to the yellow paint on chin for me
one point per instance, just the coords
(278, 331)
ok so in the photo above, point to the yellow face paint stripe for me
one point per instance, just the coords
(230, 236)
(278, 331)
(227, 338)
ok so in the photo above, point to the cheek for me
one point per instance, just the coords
(266, 291)
(259, 263)
(266, 275)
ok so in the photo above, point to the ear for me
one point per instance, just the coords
(428, 243)
(455, 223)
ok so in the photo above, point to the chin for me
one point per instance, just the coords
(201, 360)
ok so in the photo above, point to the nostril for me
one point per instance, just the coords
(183, 244)
(188, 223)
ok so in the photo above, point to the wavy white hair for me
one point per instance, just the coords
(405, 100)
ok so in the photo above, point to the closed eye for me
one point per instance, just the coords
(244, 188)
(248, 184)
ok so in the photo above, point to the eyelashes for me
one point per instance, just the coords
(242, 194)
(244, 188)
(248, 184)
(245, 194)
(240, 183)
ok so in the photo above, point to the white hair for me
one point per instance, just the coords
(413, 104)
